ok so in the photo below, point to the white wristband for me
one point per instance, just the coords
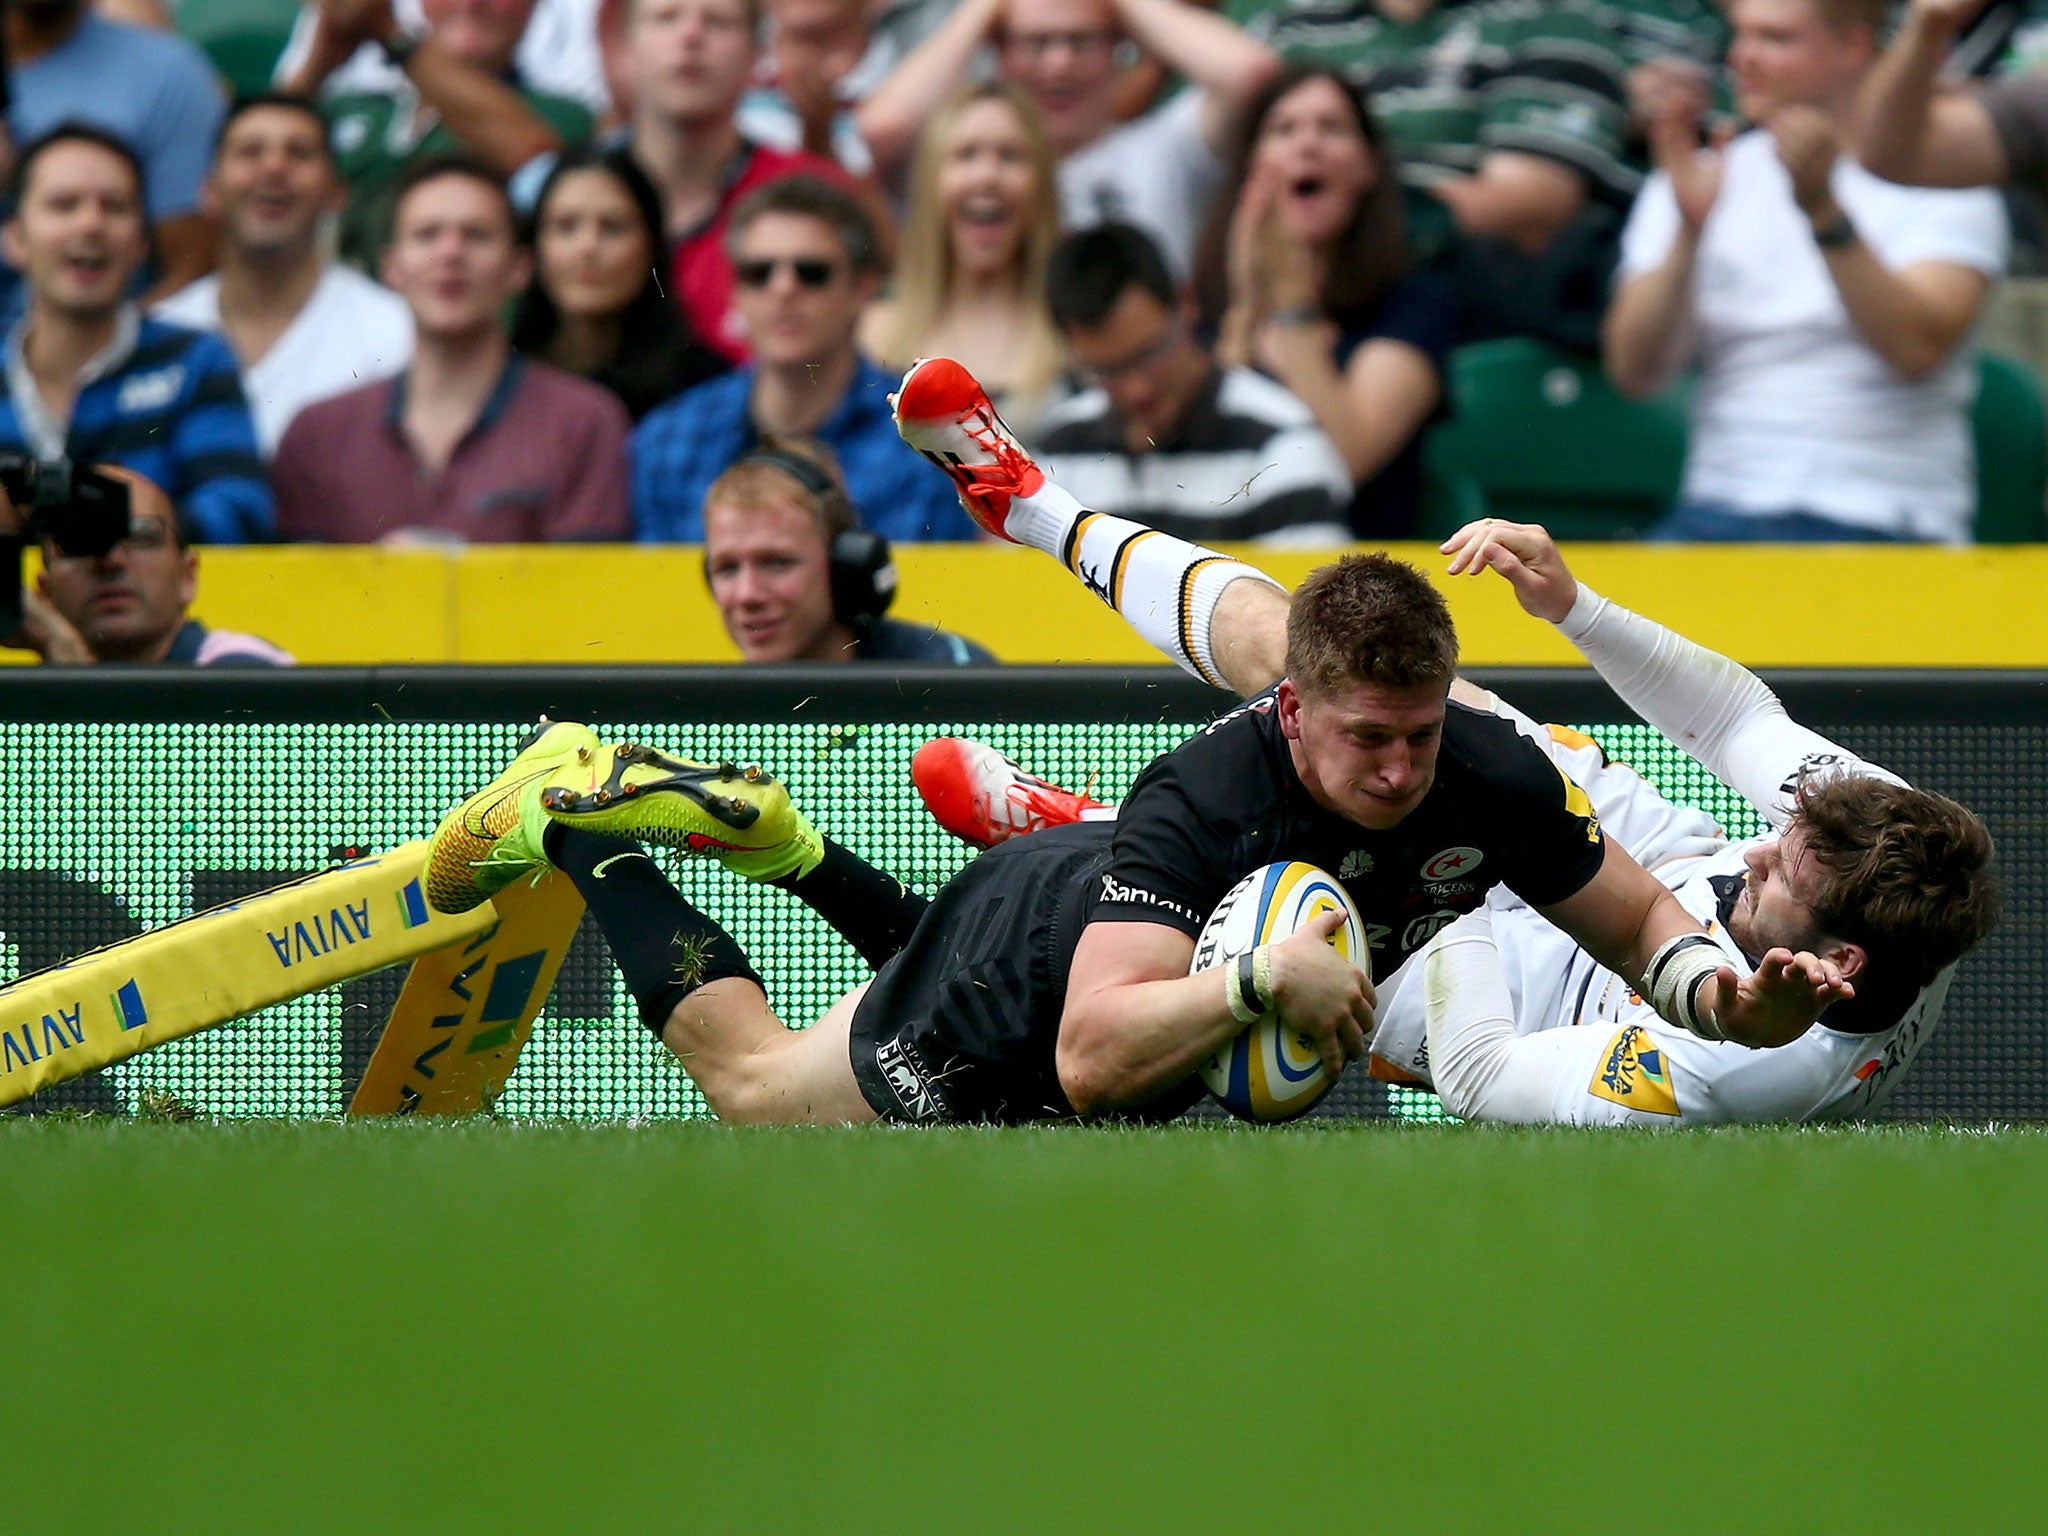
(1248, 985)
(1677, 972)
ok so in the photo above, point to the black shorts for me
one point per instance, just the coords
(960, 1026)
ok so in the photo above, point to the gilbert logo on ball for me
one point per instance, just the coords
(1271, 1072)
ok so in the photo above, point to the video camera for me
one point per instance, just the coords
(84, 511)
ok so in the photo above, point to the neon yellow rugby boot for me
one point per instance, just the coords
(742, 817)
(494, 836)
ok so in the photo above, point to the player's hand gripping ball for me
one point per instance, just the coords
(1271, 1072)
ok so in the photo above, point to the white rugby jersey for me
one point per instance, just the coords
(1607, 1058)
(1589, 1050)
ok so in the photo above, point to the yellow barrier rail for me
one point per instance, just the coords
(1766, 605)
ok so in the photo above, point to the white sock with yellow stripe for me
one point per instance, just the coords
(1166, 588)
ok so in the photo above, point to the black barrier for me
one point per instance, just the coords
(135, 796)
(335, 695)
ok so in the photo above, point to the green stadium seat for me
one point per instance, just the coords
(242, 37)
(1449, 501)
(2010, 424)
(1547, 439)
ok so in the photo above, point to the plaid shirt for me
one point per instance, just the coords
(681, 447)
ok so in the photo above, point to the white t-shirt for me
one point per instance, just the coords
(351, 332)
(1156, 172)
(1794, 411)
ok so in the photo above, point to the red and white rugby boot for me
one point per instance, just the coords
(944, 414)
(983, 798)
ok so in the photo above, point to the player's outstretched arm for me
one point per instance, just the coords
(1483, 1069)
(1708, 706)
(1523, 553)
(1136, 1022)
(1627, 921)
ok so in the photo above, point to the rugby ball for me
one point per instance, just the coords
(1270, 1072)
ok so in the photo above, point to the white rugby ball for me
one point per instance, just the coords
(1271, 1072)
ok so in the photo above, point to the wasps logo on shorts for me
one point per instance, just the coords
(1635, 1075)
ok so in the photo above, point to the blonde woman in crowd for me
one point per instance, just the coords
(970, 280)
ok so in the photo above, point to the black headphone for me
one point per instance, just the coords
(863, 571)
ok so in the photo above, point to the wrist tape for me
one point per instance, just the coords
(1676, 975)
(1248, 985)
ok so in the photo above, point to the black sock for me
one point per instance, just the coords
(872, 911)
(665, 948)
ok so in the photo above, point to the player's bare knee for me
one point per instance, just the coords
(715, 1031)
(742, 1099)
(730, 1083)
(767, 1090)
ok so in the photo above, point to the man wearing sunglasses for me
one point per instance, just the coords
(130, 604)
(805, 262)
(1165, 436)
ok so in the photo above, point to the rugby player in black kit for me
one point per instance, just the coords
(1049, 979)
(1042, 985)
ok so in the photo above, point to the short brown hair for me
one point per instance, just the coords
(812, 197)
(1369, 619)
(1904, 872)
(72, 131)
(773, 473)
(462, 166)
(1854, 15)
(612, 16)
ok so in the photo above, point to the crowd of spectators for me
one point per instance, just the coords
(535, 270)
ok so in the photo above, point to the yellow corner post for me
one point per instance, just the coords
(116, 1002)
(456, 1031)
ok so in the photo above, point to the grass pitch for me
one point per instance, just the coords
(264, 1327)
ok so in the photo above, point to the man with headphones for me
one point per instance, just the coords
(797, 578)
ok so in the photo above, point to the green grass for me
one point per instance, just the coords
(260, 1327)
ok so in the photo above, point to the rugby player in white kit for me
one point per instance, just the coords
(1502, 1014)
(1892, 883)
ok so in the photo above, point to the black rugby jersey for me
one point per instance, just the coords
(1228, 800)
(963, 1025)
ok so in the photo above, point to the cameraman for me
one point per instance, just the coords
(130, 603)
(88, 376)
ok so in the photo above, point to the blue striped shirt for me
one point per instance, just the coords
(165, 402)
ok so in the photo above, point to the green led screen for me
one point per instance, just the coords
(156, 821)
